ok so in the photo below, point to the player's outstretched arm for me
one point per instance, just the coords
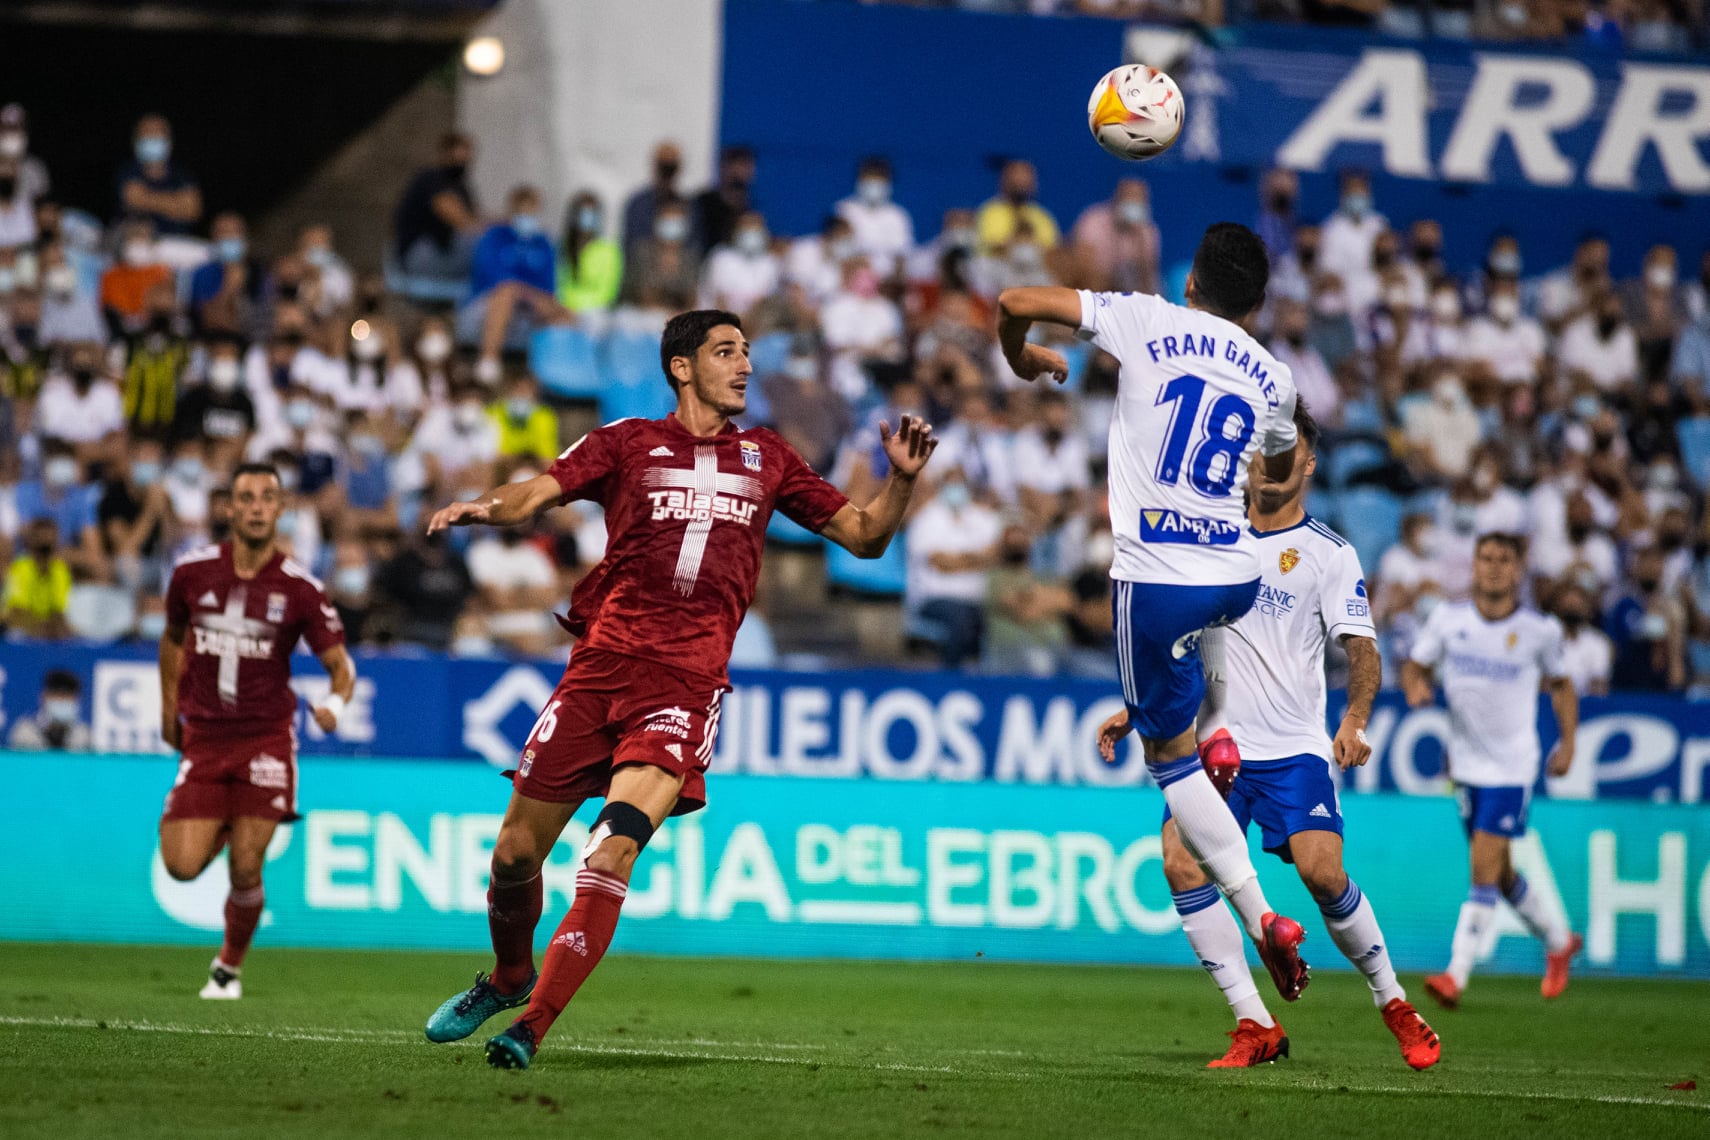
(867, 531)
(336, 661)
(1017, 310)
(1565, 702)
(171, 668)
(1365, 674)
(502, 506)
(1416, 684)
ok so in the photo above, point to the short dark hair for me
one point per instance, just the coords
(1515, 543)
(1305, 424)
(254, 469)
(686, 332)
(874, 164)
(1230, 270)
(61, 681)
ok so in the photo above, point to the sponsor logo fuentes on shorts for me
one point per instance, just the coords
(672, 720)
(1165, 526)
(268, 771)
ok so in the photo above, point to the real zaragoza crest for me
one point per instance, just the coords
(1288, 559)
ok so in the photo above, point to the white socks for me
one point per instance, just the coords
(1212, 655)
(1217, 942)
(1545, 926)
(1476, 914)
(1213, 837)
(1353, 927)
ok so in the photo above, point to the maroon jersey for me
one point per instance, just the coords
(685, 522)
(239, 636)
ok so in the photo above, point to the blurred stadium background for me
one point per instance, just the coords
(291, 231)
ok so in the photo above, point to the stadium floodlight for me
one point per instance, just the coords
(484, 56)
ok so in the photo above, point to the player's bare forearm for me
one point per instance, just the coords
(866, 532)
(171, 668)
(342, 670)
(1565, 702)
(1416, 683)
(1365, 676)
(1017, 310)
(509, 505)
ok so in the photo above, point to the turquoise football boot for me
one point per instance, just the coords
(512, 1049)
(466, 1012)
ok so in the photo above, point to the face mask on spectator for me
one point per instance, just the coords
(1447, 390)
(1026, 255)
(1396, 297)
(368, 444)
(60, 471)
(434, 347)
(802, 368)
(370, 347)
(960, 237)
(588, 219)
(1607, 324)
(1662, 476)
(223, 374)
(1425, 252)
(955, 495)
(1383, 257)
(145, 472)
(289, 477)
(82, 376)
(151, 626)
(526, 225)
(187, 468)
(60, 280)
(232, 249)
(138, 253)
(467, 415)
(288, 523)
(1660, 276)
(1446, 307)
(8, 281)
(518, 407)
(60, 710)
(874, 191)
(321, 256)
(1424, 604)
(154, 148)
(1586, 407)
(1505, 307)
(1505, 263)
(1331, 303)
(1355, 203)
(751, 241)
(841, 250)
(1429, 540)
(1133, 212)
(300, 413)
(672, 227)
(351, 579)
(13, 144)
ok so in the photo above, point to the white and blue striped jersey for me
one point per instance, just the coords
(1196, 398)
(1491, 672)
(1311, 589)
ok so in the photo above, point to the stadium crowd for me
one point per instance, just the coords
(144, 354)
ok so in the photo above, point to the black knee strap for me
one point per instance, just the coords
(626, 820)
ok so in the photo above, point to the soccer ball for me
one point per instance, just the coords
(1135, 112)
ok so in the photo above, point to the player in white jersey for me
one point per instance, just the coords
(1492, 656)
(1197, 397)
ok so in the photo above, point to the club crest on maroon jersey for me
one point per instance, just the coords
(750, 455)
(276, 608)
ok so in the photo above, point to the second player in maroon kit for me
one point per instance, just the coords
(634, 719)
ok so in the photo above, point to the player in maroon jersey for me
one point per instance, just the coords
(234, 613)
(687, 499)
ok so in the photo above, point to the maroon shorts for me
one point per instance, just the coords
(610, 710)
(224, 774)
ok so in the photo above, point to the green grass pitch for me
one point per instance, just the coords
(112, 1042)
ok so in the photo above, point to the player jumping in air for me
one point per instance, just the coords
(1196, 398)
(687, 499)
(1493, 655)
(234, 613)
(1265, 689)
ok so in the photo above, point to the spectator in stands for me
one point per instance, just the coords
(369, 501)
(436, 224)
(1598, 349)
(642, 210)
(57, 725)
(152, 186)
(190, 487)
(1438, 334)
(81, 406)
(1002, 218)
(1442, 428)
(1574, 290)
(1051, 471)
(156, 358)
(663, 271)
(17, 207)
(518, 587)
(513, 284)
(859, 324)
(135, 517)
(1408, 569)
(1588, 656)
(1582, 556)
(717, 211)
(980, 446)
(743, 273)
(431, 355)
(125, 288)
(1656, 305)
(1648, 627)
(1347, 237)
(1424, 267)
(455, 444)
(1502, 344)
(1689, 371)
(224, 292)
(349, 587)
(32, 172)
(815, 263)
(528, 429)
(590, 265)
(69, 310)
(1313, 380)
(374, 374)
(1116, 244)
(882, 231)
(429, 585)
(218, 410)
(1278, 192)
(1024, 619)
(334, 282)
(38, 584)
(952, 542)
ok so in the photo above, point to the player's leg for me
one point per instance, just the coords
(1545, 924)
(641, 798)
(187, 846)
(514, 888)
(1218, 751)
(1211, 930)
(1489, 854)
(249, 837)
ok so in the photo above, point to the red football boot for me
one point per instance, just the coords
(1222, 760)
(1279, 950)
(1556, 967)
(1252, 1044)
(1444, 991)
(1419, 1045)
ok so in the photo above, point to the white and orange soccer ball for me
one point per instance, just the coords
(1135, 112)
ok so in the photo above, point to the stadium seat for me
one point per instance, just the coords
(769, 353)
(782, 530)
(563, 357)
(1694, 436)
(1352, 457)
(882, 577)
(1324, 504)
(431, 291)
(631, 357)
(1371, 520)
